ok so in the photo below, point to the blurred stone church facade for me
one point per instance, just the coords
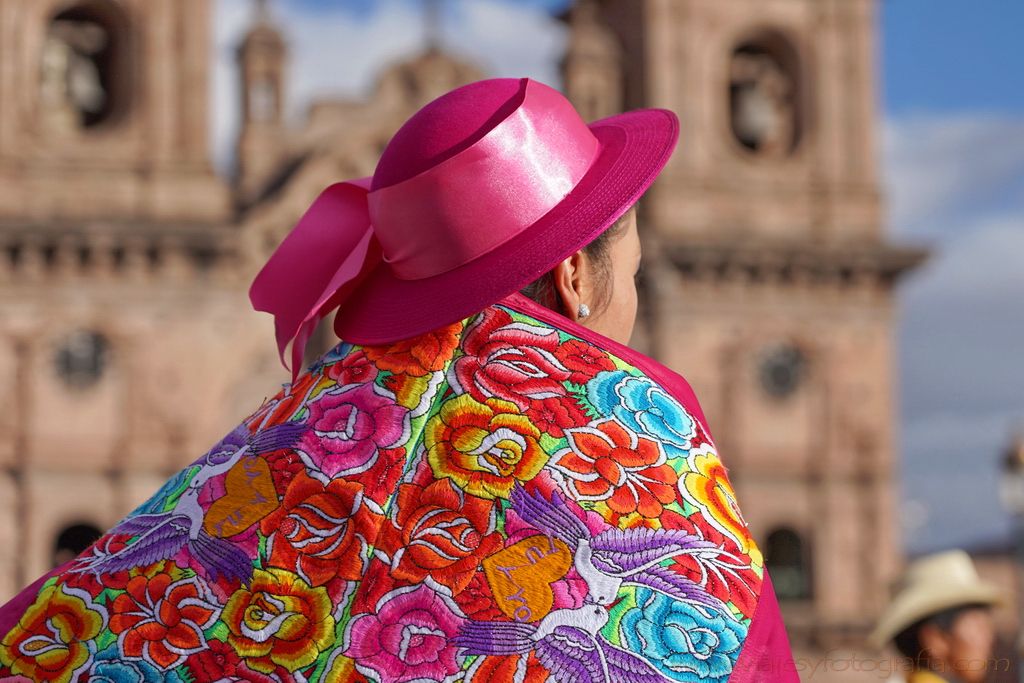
(128, 346)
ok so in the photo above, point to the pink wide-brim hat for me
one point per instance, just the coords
(478, 194)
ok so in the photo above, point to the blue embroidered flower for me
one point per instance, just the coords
(110, 667)
(641, 405)
(682, 641)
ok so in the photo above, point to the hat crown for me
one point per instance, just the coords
(953, 567)
(480, 191)
(446, 126)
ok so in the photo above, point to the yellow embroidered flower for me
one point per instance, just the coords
(483, 447)
(279, 620)
(709, 489)
(51, 641)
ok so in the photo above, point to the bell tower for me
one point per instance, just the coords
(774, 280)
(262, 58)
(103, 111)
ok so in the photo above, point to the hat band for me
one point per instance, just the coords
(488, 193)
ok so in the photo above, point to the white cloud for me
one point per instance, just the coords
(944, 167)
(955, 180)
(336, 53)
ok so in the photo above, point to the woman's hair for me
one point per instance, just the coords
(543, 291)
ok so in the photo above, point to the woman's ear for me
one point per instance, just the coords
(569, 279)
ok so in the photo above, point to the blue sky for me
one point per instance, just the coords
(952, 55)
(952, 123)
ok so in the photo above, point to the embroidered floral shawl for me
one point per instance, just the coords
(510, 498)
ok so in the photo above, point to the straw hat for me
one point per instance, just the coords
(932, 584)
(479, 193)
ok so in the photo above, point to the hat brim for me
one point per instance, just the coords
(918, 605)
(635, 146)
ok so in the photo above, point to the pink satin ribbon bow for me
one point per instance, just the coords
(438, 220)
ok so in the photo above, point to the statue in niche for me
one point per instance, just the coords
(71, 88)
(763, 110)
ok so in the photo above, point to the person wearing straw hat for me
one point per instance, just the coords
(940, 620)
(480, 481)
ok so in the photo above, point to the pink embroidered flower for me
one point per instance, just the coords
(409, 638)
(509, 360)
(348, 427)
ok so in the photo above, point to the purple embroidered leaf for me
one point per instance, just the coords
(551, 517)
(676, 586)
(623, 551)
(495, 638)
(221, 558)
(161, 542)
(626, 667)
(140, 524)
(277, 437)
(226, 447)
(572, 656)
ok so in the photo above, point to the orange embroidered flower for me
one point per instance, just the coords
(51, 641)
(709, 489)
(483, 447)
(420, 355)
(279, 620)
(161, 620)
(607, 462)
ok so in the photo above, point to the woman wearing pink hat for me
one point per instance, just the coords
(479, 483)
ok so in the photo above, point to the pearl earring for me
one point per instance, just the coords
(583, 311)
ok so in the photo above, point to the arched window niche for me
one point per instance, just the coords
(73, 540)
(766, 94)
(787, 557)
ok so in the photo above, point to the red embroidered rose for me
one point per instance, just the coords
(221, 662)
(355, 368)
(161, 620)
(476, 600)
(441, 532)
(583, 360)
(509, 360)
(322, 532)
(554, 415)
(285, 465)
